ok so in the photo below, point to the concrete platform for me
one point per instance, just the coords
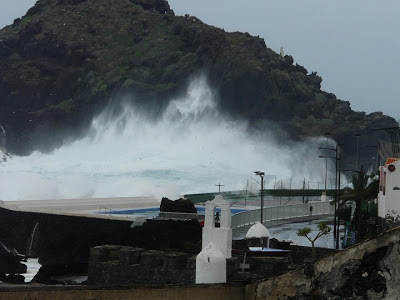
(87, 207)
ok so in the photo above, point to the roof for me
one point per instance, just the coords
(258, 230)
(391, 160)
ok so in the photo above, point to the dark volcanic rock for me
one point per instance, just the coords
(368, 270)
(10, 260)
(14, 279)
(180, 205)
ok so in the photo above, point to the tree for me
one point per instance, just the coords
(361, 192)
(323, 230)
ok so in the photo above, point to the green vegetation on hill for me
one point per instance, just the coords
(64, 60)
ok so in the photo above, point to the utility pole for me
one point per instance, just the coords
(261, 174)
(339, 155)
(326, 161)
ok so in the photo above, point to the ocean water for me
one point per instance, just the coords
(188, 148)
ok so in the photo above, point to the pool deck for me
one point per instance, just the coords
(82, 207)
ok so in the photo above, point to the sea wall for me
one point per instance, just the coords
(369, 270)
(63, 242)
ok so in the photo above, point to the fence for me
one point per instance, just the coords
(107, 211)
(179, 216)
(281, 212)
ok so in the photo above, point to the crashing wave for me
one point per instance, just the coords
(4, 155)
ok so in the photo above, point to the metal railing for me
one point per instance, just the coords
(107, 211)
(282, 212)
(180, 216)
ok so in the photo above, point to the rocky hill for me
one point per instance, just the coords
(64, 60)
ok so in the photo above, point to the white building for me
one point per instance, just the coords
(210, 265)
(218, 233)
(216, 242)
(389, 189)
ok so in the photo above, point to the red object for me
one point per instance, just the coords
(201, 223)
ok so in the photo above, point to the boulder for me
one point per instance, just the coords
(10, 260)
(180, 205)
(14, 279)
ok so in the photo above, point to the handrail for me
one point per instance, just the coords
(274, 213)
(179, 215)
(107, 210)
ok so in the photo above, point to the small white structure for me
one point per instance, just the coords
(389, 189)
(216, 243)
(221, 236)
(323, 197)
(210, 265)
(259, 231)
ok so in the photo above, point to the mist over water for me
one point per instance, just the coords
(190, 147)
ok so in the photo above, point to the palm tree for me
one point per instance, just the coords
(361, 192)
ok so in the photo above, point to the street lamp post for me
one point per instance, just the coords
(261, 174)
(327, 134)
(337, 159)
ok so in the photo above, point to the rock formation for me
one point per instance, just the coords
(180, 205)
(63, 61)
(369, 270)
(10, 261)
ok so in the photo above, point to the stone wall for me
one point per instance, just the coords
(121, 265)
(301, 254)
(369, 270)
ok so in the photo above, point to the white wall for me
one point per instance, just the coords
(389, 204)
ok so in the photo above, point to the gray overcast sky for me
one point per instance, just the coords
(353, 45)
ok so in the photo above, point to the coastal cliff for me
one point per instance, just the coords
(64, 60)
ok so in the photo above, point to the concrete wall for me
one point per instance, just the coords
(389, 198)
(78, 293)
(369, 270)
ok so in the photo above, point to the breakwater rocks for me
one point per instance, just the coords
(10, 262)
